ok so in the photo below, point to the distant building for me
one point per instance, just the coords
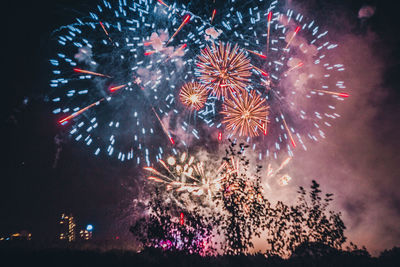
(23, 235)
(67, 228)
(86, 234)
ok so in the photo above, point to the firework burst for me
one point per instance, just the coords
(282, 179)
(224, 69)
(187, 174)
(246, 114)
(289, 53)
(108, 71)
(193, 95)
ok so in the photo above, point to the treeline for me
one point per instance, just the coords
(315, 256)
(240, 213)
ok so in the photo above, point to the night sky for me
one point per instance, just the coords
(358, 161)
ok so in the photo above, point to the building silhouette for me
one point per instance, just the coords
(67, 228)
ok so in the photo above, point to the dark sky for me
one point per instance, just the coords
(34, 194)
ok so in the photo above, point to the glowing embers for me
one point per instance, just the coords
(224, 69)
(193, 95)
(245, 114)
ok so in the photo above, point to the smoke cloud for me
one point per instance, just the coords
(366, 12)
(357, 161)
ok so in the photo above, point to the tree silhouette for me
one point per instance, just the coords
(243, 204)
(242, 213)
(167, 228)
(308, 221)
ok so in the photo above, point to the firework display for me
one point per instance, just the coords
(224, 69)
(293, 68)
(246, 114)
(255, 72)
(116, 73)
(185, 173)
(193, 95)
(205, 180)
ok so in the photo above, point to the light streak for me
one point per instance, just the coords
(257, 54)
(269, 26)
(260, 70)
(162, 3)
(91, 73)
(155, 179)
(181, 48)
(291, 38)
(284, 163)
(164, 128)
(148, 53)
(186, 20)
(171, 140)
(334, 93)
(295, 67)
(106, 32)
(116, 88)
(80, 111)
(265, 129)
(213, 15)
(288, 131)
(284, 179)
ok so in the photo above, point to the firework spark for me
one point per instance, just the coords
(163, 127)
(105, 31)
(224, 69)
(295, 67)
(185, 20)
(162, 3)
(292, 37)
(193, 95)
(91, 73)
(257, 54)
(269, 28)
(246, 114)
(77, 113)
(333, 93)
(288, 131)
(263, 73)
(213, 15)
(116, 88)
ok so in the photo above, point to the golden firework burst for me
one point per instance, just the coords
(193, 95)
(245, 113)
(224, 69)
(186, 173)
